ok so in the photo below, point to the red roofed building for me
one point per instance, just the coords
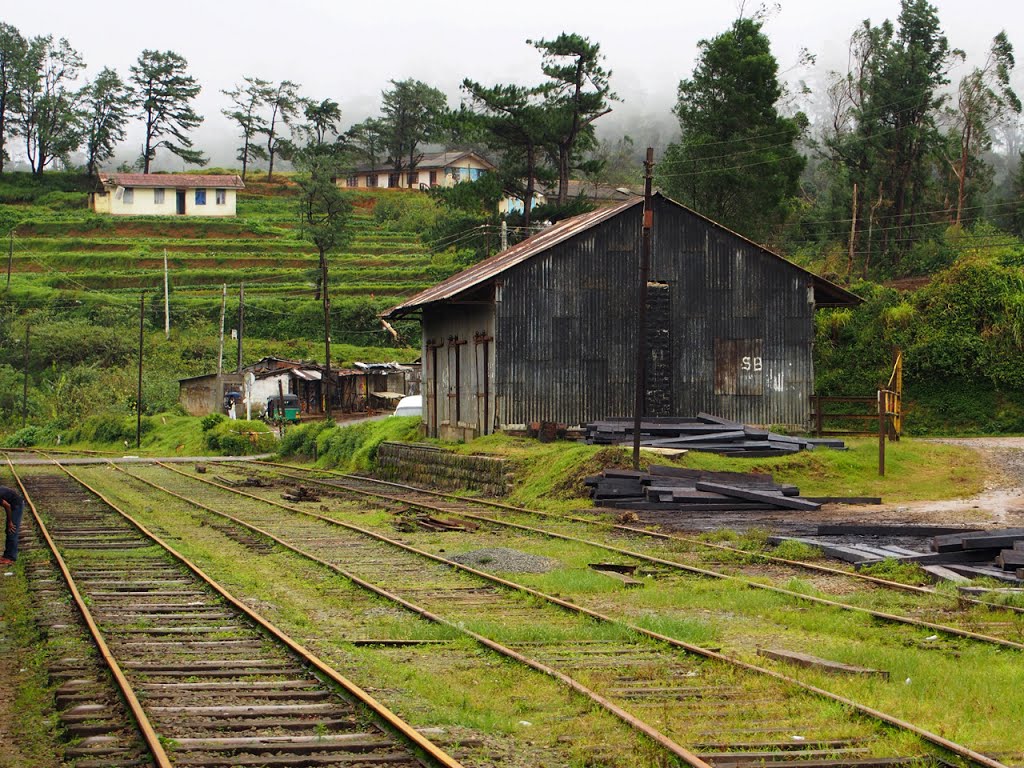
(166, 194)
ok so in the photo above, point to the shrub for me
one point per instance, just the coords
(210, 421)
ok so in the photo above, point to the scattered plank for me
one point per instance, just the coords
(825, 665)
(787, 502)
(850, 529)
(940, 573)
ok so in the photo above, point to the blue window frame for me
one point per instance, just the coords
(200, 197)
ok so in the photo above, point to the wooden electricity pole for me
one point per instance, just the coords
(24, 387)
(138, 397)
(241, 321)
(327, 340)
(223, 309)
(641, 309)
(167, 302)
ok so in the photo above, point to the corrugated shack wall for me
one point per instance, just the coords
(566, 328)
(458, 338)
(566, 325)
(756, 309)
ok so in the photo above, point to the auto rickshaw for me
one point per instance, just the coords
(290, 409)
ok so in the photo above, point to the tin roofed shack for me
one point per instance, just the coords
(546, 330)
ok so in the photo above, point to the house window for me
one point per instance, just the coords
(200, 197)
(392, 180)
(456, 175)
(414, 178)
(221, 196)
(158, 196)
(371, 180)
(433, 178)
(351, 181)
(129, 196)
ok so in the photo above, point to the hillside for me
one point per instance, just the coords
(80, 251)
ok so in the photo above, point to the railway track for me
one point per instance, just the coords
(727, 712)
(942, 611)
(208, 683)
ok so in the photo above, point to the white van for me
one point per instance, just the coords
(410, 405)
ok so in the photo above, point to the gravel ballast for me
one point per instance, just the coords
(506, 560)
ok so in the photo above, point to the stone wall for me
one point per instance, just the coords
(433, 467)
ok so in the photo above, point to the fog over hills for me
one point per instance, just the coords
(349, 52)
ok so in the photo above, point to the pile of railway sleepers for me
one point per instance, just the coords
(676, 489)
(957, 556)
(703, 432)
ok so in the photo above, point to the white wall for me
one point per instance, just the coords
(143, 203)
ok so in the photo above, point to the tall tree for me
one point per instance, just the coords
(325, 215)
(106, 105)
(578, 93)
(246, 102)
(886, 134)
(368, 141)
(984, 98)
(517, 126)
(284, 102)
(736, 161)
(13, 52)
(163, 89)
(321, 121)
(412, 114)
(47, 103)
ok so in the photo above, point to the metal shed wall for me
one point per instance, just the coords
(566, 328)
(565, 324)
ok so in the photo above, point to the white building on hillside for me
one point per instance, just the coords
(434, 169)
(166, 194)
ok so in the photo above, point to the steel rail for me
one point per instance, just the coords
(892, 617)
(888, 583)
(617, 526)
(438, 755)
(142, 720)
(929, 736)
(689, 757)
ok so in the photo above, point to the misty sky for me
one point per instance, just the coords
(348, 51)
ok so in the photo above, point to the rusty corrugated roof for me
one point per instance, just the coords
(490, 268)
(498, 263)
(174, 180)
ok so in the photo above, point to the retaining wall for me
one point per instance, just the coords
(433, 467)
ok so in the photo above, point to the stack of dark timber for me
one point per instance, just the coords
(703, 432)
(957, 556)
(996, 553)
(674, 489)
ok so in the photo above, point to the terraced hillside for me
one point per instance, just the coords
(80, 251)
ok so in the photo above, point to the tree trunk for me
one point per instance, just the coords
(961, 187)
(563, 174)
(530, 184)
(245, 161)
(320, 278)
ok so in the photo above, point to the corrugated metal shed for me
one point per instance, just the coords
(546, 330)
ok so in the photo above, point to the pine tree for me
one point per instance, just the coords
(163, 90)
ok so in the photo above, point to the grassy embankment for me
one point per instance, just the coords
(551, 475)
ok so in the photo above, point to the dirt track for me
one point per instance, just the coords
(1001, 504)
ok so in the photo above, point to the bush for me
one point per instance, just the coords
(210, 421)
(406, 212)
(109, 428)
(240, 438)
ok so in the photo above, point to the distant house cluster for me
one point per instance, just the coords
(166, 194)
(434, 169)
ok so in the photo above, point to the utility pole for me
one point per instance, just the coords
(504, 234)
(327, 340)
(167, 302)
(241, 321)
(24, 388)
(10, 256)
(641, 309)
(853, 235)
(138, 397)
(223, 308)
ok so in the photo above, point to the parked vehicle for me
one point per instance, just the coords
(410, 405)
(290, 410)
